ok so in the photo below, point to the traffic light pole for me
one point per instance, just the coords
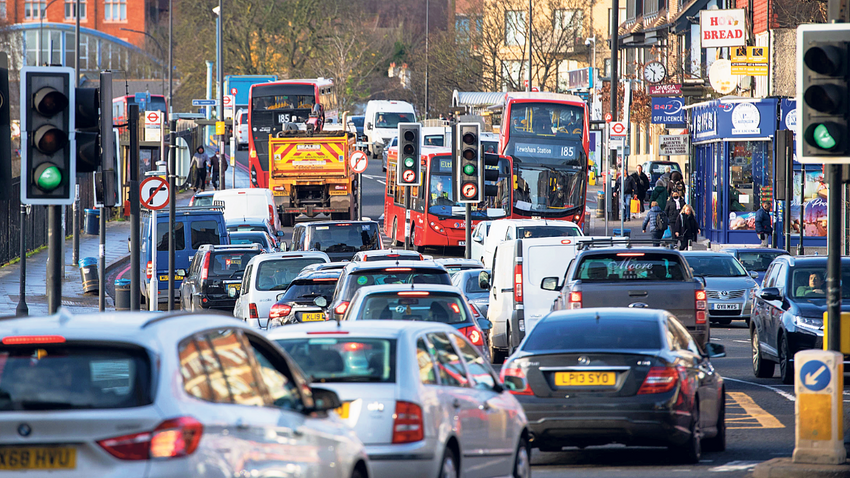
(22, 308)
(55, 261)
(135, 229)
(101, 258)
(833, 256)
(408, 227)
(800, 249)
(467, 251)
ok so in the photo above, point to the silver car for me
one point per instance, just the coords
(729, 288)
(418, 394)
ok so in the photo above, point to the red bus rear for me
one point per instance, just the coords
(283, 105)
(119, 108)
(436, 219)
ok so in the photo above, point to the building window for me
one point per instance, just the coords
(3, 9)
(71, 6)
(115, 10)
(515, 28)
(569, 22)
(750, 179)
(32, 9)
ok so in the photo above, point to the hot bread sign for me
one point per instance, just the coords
(719, 28)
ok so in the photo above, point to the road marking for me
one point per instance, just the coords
(783, 393)
(742, 341)
(752, 411)
(736, 465)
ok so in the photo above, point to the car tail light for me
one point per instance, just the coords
(575, 300)
(659, 380)
(341, 308)
(205, 269)
(271, 214)
(408, 426)
(252, 311)
(474, 335)
(279, 310)
(414, 293)
(332, 332)
(518, 283)
(33, 339)
(515, 382)
(149, 269)
(700, 306)
(172, 438)
(398, 269)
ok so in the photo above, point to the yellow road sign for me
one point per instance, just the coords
(219, 127)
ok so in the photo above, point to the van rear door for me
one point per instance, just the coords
(545, 257)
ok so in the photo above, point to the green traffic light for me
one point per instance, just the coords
(48, 178)
(823, 138)
(469, 169)
(408, 162)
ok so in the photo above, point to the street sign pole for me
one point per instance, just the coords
(233, 145)
(153, 291)
(467, 251)
(359, 196)
(172, 175)
(135, 225)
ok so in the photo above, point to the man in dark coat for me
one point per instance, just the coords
(674, 205)
(642, 183)
(629, 190)
(764, 226)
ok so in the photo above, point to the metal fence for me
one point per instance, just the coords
(36, 223)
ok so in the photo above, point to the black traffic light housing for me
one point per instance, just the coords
(87, 134)
(823, 69)
(491, 174)
(409, 154)
(48, 169)
(470, 167)
(5, 131)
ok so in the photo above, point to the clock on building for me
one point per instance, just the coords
(654, 72)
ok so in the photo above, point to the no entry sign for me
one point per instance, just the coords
(358, 162)
(153, 193)
(469, 190)
(409, 176)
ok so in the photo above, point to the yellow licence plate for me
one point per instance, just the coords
(234, 286)
(164, 278)
(343, 410)
(312, 317)
(38, 458)
(585, 379)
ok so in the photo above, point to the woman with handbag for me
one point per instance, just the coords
(685, 229)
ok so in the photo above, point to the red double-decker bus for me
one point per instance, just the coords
(546, 137)
(280, 105)
(436, 219)
(119, 108)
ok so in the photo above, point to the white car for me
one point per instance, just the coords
(242, 130)
(509, 229)
(163, 395)
(244, 204)
(266, 278)
(418, 394)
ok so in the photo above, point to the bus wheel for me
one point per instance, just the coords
(287, 220)
(419, 249)
(395, 232)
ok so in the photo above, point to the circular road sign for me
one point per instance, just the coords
(233, 91)
(469, 190)
(608, 117)
(358, 162)
(153, 193)
(618, 128)
(408, 176)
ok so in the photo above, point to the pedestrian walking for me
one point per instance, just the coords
(685, 229)
(764, 224)
(200, 162)
(659, 194)
(674, 205)
(629, 191)
(642, 183)
(676, 183)
(655, 221)
(216, 162)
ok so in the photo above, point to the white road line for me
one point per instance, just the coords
(736, 465)
(782, 393)
(742, 341)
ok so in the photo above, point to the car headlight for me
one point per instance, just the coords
(811, 323)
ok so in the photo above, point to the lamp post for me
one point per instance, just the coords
(161, 51)
(219, 57)
(528, 34)
(41, 31)
(427, 45)
(591, 42)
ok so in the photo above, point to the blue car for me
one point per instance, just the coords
(755, 259)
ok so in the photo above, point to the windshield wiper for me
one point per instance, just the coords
(352, 378)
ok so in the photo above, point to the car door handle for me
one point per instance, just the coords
(456, 403)
(638, 293)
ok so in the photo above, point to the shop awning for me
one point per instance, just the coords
(682, 23)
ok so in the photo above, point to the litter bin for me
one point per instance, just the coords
(600, 204)
(92, 221)
(122, 294)
(88, 271)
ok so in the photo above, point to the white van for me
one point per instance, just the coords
(509, 229)
(381, 123)
(246, 204)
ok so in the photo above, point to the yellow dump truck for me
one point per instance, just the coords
(309, 174)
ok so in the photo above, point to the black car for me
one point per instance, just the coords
(215, 276)
(788, 312)
(306, 299)
(339, 240)
(360, 274)
(612, 375)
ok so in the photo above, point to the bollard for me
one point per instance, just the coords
(92, 221)
(600, 204)
(122, 294)
(819, 408)
(88, 272)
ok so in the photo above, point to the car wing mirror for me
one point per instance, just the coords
(324, 400)
(368, 125)
(549, 283)
(770, 293)
(713, 350)
(484, 280)
(754, 274)
(485, 324)
(181, 272)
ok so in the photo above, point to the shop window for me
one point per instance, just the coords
(750, 181)
(716, 181)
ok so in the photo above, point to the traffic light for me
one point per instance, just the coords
(823, 68)
(470, 171)
(407, 171)
(87, 133)
(5, 131)
(491, 174)
(48, 169)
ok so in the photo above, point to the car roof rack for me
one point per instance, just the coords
(585, 243)
(226, 247)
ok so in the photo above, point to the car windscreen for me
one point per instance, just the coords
(230, 264)
(546, 231)
(247, 228)
(414, 305)
(307, 290)
(345, 238)
(394, 275)
(391, 120)
(810, 282)
(661, 168)
(202, 201)
(473, 286)
(631, 266)
(435, 140)
(278, 274)
(591, 333)
(758, 261)
(358, 121)
(334, 359)
(715, 266)
(249, 239)
(65, 376)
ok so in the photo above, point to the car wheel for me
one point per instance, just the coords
(762, 368)
(395, 232)
(496, 355)
(522, 461)
(449, 467)
(691, 451)
(718, 442)
(786, 368)
(357, 474)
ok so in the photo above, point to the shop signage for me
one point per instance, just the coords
(673, 145)
(733, 121)
(705, 123)
(788, 115)
(750, 60)
(668, 111)
(578, 79)
(745, 119)
(721, 78)
(719, 28)
(665, 90)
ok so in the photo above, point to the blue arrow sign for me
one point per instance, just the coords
(815, 375)
(203, 102)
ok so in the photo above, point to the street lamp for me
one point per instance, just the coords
(41, 31)
(591, 42)
(161, 50)
(219, 76)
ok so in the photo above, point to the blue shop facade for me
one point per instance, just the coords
(733, 172)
